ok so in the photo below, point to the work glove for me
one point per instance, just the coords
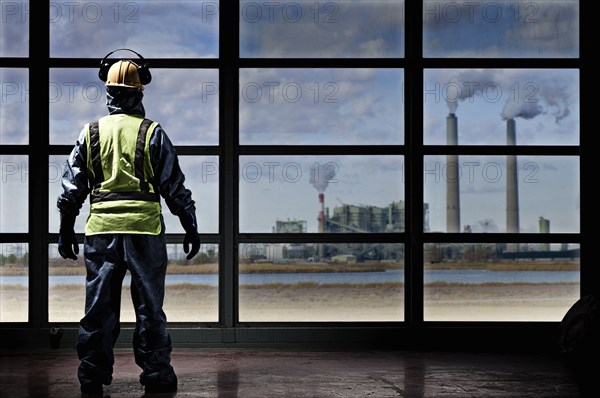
(190, 225)
(67, 244)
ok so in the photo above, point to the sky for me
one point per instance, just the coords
(345, 106)
(345, 28)
(504, 28)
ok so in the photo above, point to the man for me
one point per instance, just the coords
(126, 163)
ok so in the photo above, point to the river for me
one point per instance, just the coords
(449, 276)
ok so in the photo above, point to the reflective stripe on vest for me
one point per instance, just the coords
(123, 198)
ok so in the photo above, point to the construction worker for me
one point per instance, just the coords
(126, 163)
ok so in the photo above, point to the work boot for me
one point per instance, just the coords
(158, 387)
(91, 390)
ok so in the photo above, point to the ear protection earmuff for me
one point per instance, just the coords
(142, 68)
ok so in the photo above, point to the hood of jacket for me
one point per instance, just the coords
(125, 100)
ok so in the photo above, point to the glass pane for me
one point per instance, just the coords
(14, 193)
(333, 29)
(182, 29)
(482, 194)
(322, 193)
(479, 102)
(191, 287)
(501, 29)
(14, 282)
(500, 282)
(14, 28)
(14, 106)
(321, 282)
(188, 115)
(202, 179)
(66, 287)
(321, 106)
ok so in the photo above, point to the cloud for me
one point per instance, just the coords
(538, 28)
(14, 29)
(321, 106)
(332, 29)
(155, 29)
(14, 106)
(188, 112)
(551, 27)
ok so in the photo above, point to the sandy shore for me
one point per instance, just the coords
(313, 302)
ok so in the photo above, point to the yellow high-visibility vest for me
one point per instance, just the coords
(123, 197)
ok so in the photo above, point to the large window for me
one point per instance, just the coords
(501, 158)
(381, 163)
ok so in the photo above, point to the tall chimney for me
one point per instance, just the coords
(512, 181)
(544, 225)
(321, 213)
(452, 178)
(321, 222)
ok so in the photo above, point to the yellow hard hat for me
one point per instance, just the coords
(124, 73)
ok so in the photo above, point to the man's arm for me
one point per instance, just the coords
(170, 181)
(74, 179)
(75, 190)
(169, 178)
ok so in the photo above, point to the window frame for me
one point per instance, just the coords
(228, 329)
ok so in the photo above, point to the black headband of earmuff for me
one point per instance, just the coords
(143, 68)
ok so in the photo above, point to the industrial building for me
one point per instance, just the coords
(365, 218)
(353, 218)
(290, 227)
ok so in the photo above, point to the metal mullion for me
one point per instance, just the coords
(154, 63)
(228, 169)
(39, 51)
(413, 79)
(322, 238)
(177, 239)
(14, 150)
(499, 150)
(590, 275)
(322, 63)
(13, 62)
(250, 150)
(185, 150)
(501, 63)
(14, 237)
(171, 238)
(198, 150)
(499, 237)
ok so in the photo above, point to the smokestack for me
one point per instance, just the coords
(322, 213)
(452, 177)
(512, 181)
(544, 225)
(321, 223)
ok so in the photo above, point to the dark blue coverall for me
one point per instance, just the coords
(108, 257)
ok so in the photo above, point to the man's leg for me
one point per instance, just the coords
(146, 258)
(99, 327)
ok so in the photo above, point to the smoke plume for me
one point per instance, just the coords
(321, 175)
(557, 98)
(466, 85)
(528, 95)
(514, 109)
(486, 225)
(540, 98)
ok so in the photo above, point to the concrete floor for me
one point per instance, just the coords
(264, 373)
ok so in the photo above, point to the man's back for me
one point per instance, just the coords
(124, 197)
